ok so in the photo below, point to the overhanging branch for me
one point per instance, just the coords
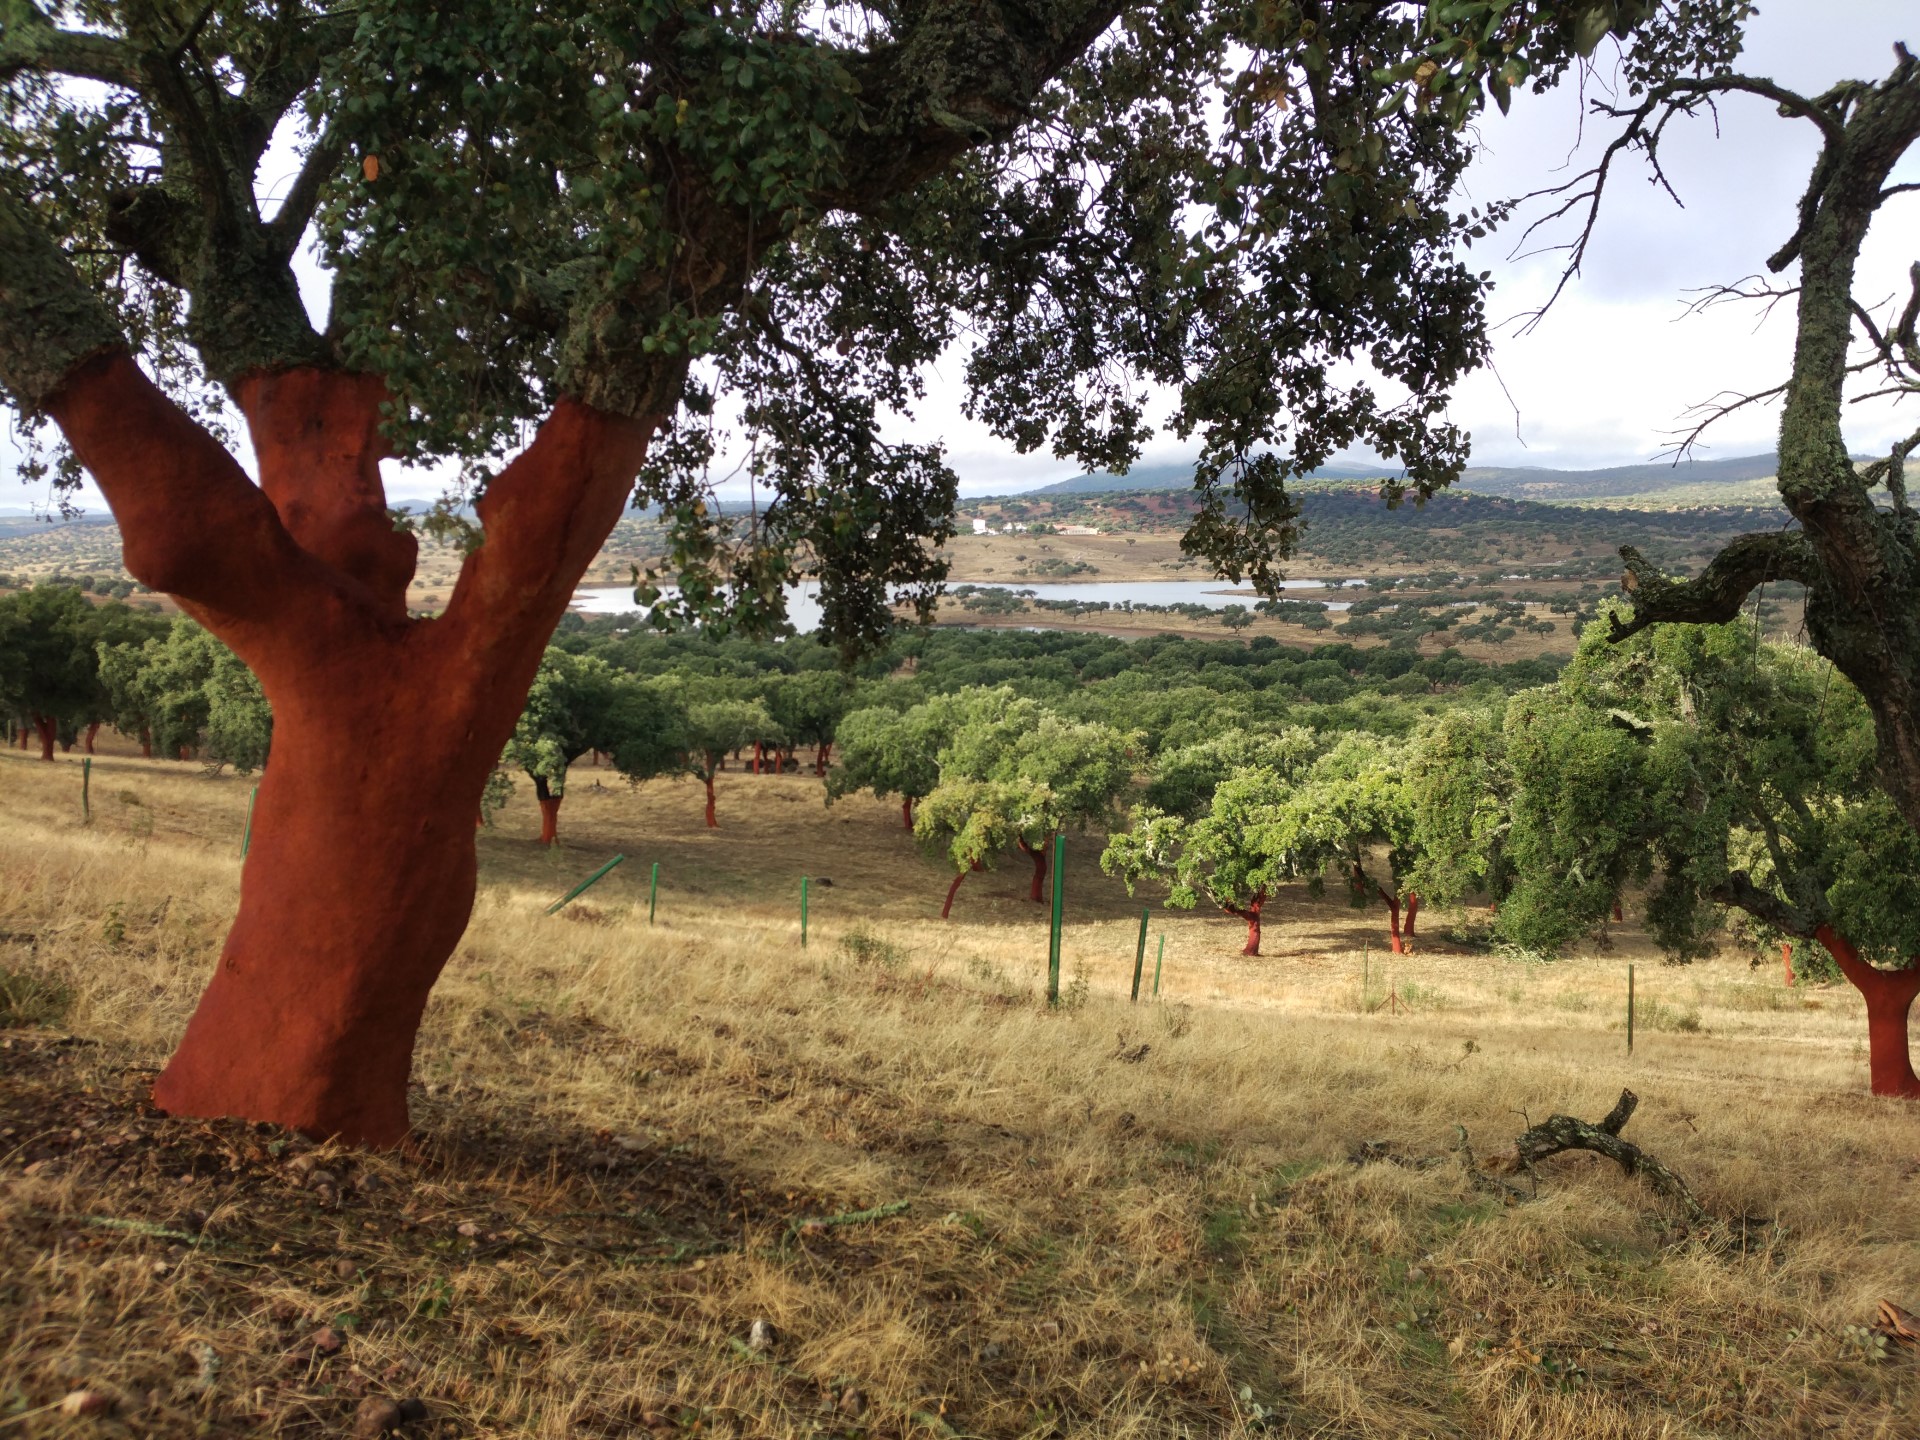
(1717, 594)
(1741, 893)
(31, 42)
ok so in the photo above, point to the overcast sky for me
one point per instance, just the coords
(1613, 369)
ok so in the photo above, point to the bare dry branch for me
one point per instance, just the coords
(1560, 1133)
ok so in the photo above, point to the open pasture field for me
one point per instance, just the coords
(1237, 1211)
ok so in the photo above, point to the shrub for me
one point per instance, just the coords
(31, 997)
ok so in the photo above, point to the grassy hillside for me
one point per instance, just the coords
(1234, 1212)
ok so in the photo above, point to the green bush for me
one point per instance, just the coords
(863, 947)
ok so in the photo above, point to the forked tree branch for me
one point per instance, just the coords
(1739, 892)
(1560, 1133)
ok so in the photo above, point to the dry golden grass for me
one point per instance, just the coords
(634, 1139)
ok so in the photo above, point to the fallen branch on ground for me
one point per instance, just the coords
(1559, 1133)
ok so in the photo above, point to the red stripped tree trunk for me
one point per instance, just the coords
(756, 757)
(1618, 916)
(1786, 959)
(822, 754)
(146, 743)
(1394, 939)
(349, 903)
(946, 910)
(549, 810)
(906, 811)
(712, 823)
(1413, 910)
(1251, 914)
(1039, 858)
(86, 740)
(48, 732)
(1889, 995)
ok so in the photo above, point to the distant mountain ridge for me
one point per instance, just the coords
(1513, 482)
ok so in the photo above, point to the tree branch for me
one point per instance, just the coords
(193, 524)
(289, 222)
(31, 42)
(1741, 893)
(1717, 594)
(1560, 1133)
(50, 319)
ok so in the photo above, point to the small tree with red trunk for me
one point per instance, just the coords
(715, 729)
(49, 673)
(1733, 775)
(890, 752)
(971, 823)
(1043, 772)
(1236, 855)
(572, 707)
(1350, 810)
(808, 707)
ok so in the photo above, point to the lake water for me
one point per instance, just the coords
(804, 609)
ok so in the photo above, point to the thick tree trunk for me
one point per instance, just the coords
(1251, 914)
(349, 904)
(1395, 938)
(549, 804)
(86, 740)
(756, 757)
(712, 823)
(1786, 959)
(1889, 995)
(48, 730)
(906, 812)
(946, 910)
(1618, 916)
(822, 756)
(146, 743)
(1038, 892)
(1413, 910)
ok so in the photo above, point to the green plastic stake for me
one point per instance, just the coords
(1629, 1009)
(1140, 955)
(1059, 907)
(653, 891)
(803, 912)
(585, 883)
(246, 835)
(1156, 966)
(86, 781)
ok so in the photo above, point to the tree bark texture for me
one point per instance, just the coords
(1038, 891)
(906, 813)
(1250, 912)
(349, 904)
(1889, 995)
(946, 910)
(1559, 1133)
(712, 822)
(48, 730)
(1395, 936)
